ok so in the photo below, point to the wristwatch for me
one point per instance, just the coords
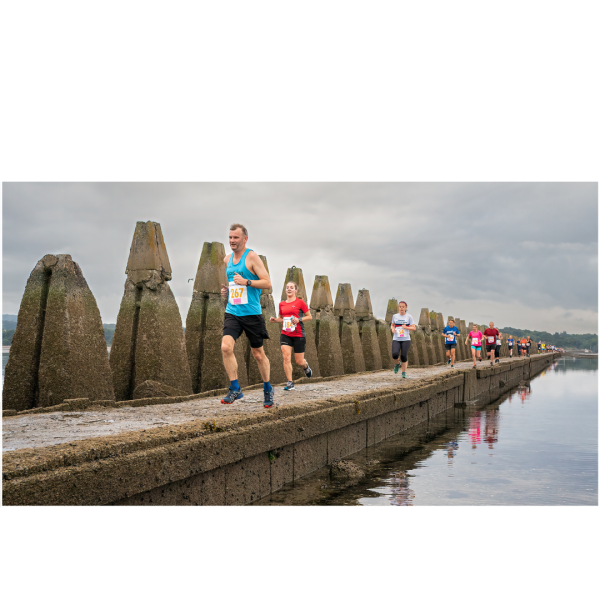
(299, 319)
(248, 283)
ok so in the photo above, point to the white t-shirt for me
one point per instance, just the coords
(402, 335)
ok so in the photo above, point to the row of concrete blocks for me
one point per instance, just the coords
(239, 459)
(59, 352)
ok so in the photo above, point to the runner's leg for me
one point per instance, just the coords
(452, 355)
(287, 361)
(300, 360)
(263, 363)
(231, 366)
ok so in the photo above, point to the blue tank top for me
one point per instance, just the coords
(253, 306)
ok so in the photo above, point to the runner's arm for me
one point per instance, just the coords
(258, 268)
(305, 317)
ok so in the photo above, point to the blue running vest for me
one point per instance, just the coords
(253, 306)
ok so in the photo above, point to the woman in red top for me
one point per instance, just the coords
(292, 313)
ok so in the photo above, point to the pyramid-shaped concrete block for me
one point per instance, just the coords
(148, 343)
(368, 331)
(58, 350)
(424, 322)
(385, 337)
(327, 338)
(391, 310)
(352, 353)
(295, 274)
(418, 340)
(204, 325)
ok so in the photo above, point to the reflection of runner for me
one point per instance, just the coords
(451, 447)
(292, 313)
(451, 334)
(475, 429)
(402, 495)
(402, 323)
(491, 427)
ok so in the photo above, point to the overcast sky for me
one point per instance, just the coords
(522, 255)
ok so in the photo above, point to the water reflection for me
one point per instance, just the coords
(542, 450)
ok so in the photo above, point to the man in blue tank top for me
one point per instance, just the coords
(246, 275)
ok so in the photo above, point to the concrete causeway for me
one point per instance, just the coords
(199, 451)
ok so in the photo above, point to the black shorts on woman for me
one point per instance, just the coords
(298, 344)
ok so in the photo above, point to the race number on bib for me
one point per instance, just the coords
(399, 331)
(450, 337)
(238, 294)
(490, 339)
(288, 325)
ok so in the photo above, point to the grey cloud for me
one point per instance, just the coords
(469, 246)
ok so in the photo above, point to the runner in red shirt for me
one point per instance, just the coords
(292, 313)
(490, 335)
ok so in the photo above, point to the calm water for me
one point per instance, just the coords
(536, 445)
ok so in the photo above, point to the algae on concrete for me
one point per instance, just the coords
(148, 343)
(368, 331)
(327, 335)
(58, 350)
(343, 309)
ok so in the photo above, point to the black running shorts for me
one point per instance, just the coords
(297, 343)
(253, 325)
(490, 347)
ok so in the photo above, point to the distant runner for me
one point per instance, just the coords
(528, 345)
(539, 347)
(498, 345)
(247, 276)
(490, 341)
(511, 342)
(451, 334)
(475, 335)
(293, 312)
(523, 346)
(401, 325)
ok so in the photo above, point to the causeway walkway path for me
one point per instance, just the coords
(48, 429)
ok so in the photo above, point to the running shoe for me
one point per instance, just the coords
(232, 396)
(308, 370)
(396, 368)
(268, 403)
(449, 361)
(452, 366)
(290, 386)
(403, 375)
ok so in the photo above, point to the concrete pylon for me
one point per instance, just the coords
(327, 336)
(368, 331)
(148, 344)
(392, 309)
(425, 325)
(58, 350)
(461, 340)
(385, 337)
(420, 345)
(310, 354)
(440, 339)
(204, 325)
(343, 309)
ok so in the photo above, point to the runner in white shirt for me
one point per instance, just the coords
(402, 323)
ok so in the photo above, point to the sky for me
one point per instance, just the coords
(522, 255)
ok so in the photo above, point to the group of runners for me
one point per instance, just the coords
(247, 276)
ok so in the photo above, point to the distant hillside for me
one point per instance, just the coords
(568, 341)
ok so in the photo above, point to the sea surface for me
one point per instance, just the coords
(535, 445)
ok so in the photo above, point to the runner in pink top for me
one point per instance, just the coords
(475, 337)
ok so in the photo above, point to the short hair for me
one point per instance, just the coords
(235, 226)
(450, 320)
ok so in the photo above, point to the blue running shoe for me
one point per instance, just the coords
(232, 396)
(290, 386)
(269, 398)
(308, 370)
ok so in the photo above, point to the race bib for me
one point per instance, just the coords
(288, 325)
(450, 337)
(399, 331)
(475, 341)
(238, 294)
(490, 339)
